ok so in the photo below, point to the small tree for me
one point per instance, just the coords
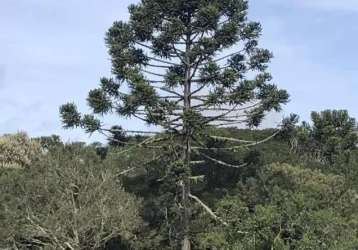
(184, 66)
(117, 137)
(331, 135)
(334, 130)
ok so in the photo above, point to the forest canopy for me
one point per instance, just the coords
(97, 197)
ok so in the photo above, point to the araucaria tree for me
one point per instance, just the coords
(184, 66)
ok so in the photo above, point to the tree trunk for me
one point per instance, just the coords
(185, 196)
(186, 218)
(186, 192)
(186, 245)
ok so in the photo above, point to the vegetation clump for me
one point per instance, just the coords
(18, 151)
(69, 199)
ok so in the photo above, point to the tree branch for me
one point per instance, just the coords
(227, 56)
(162, 61)
(243, 146)
(208, 210)
(222, 163)
(221, 138)
(152, 73)
(169, 91)
(157, 66)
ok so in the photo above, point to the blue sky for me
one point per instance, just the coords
(52, 52)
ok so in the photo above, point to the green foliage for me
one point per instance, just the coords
(287, 208)
(70, 116)
(67, 199)
(335, 130)
(117, 137)
(332, 135)
(49, 142)
(300, 205)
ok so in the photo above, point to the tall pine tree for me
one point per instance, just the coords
(184, 66)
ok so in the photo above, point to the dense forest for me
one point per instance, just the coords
(208, 177)
(298, 190)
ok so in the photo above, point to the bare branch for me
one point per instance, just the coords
(169, 97)
(142, 144)
(243, 146)
(221, 115)
(197, 162)
(197, 90)
(215, 109)
(221, 138)
(153, 81)
(141, 132)
(208, 210)
(152, 73)
(227, 56)
(157, 66)
(169, 91)
(228, 118)
(178, 53)
(222, 163)
(238, 122)
(126, 171)
(131, 131)
(145, 45)
(69, 245)
(162, 61)
(206, 107)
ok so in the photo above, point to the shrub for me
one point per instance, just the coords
(18, 150)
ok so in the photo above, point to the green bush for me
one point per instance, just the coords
(69, 199)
